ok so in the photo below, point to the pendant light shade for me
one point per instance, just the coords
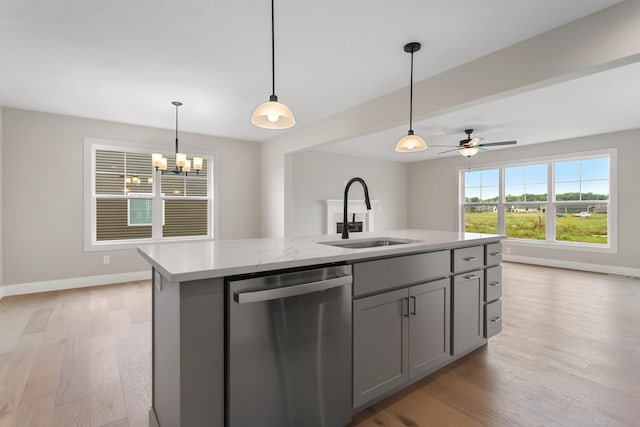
(411, 142)
(273, 114)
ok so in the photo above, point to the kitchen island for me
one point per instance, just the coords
(415, 307)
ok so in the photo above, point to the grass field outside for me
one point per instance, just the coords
(531, 225)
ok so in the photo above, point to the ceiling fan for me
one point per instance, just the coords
(471, 146)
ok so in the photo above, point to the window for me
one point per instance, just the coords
(561, 201)
(130, 203)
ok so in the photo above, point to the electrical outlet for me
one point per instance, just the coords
(106, 259)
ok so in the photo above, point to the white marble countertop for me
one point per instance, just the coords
(195, 260)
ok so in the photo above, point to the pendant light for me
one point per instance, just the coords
(183, 165)
(411, 142)
(273, 114)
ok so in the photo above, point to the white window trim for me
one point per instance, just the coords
(91, 244)
(612, 217)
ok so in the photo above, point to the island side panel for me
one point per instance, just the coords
(166, 352)
(202, 352)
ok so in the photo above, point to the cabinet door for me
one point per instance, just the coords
(429, 321)
(380, 344)
(468, 296)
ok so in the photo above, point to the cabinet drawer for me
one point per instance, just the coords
(466, 259)
(492, 318)
(493, 254)
(493, 284)
(375, 276)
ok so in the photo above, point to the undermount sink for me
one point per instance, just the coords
(368, 243)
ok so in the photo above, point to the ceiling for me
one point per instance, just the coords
(125, 61)
(598, 103)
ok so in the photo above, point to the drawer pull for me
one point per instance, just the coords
(470, 258)
(494, 253)
(495, 319)
(494, 284)
(471, 276)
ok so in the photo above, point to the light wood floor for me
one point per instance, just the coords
(569, 355)
(76, 358)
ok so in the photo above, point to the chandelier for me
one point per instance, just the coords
(183, 165)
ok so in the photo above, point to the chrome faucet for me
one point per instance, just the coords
(345, 224)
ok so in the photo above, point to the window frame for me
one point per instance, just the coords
(551, 203)
(90, 196)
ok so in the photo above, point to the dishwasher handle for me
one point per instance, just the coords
(290, 291)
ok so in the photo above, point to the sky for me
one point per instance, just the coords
(585, 176)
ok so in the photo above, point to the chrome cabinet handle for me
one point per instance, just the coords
(289, 291)
(495, 319)
(472, 276)
(494, 253)
(414, 306)
(494, 284)
(471, 258)
(407, 306)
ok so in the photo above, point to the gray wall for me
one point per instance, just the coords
(317, 176)
(1, 203)
(432, 193)
(43, 204)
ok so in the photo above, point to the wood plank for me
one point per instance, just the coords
(72, 414)
(36, 412)
(120, 423)
(107, 404)
(13, 380)
(45, 373)
(38, 321)
(74, 373)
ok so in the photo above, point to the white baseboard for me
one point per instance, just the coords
(73, 283)
(572, 265)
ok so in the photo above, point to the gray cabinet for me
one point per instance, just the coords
(380, 344)
(493, 302)
(467, 304)
(383, 274)
(493, 254)
(493, 284)
(429, 326)
(397, 336)
(493, 318)
(467, 259)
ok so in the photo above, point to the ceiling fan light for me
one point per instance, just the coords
(273, 115)
(474, 142)
(469, 151)
(410, 144)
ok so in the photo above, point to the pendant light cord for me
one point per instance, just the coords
(177, 128)
(410, 97)
(273, 55)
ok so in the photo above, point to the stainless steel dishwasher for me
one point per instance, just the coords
(289, 349)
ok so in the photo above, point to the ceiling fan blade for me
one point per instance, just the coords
(449, 151)
(490, 144)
